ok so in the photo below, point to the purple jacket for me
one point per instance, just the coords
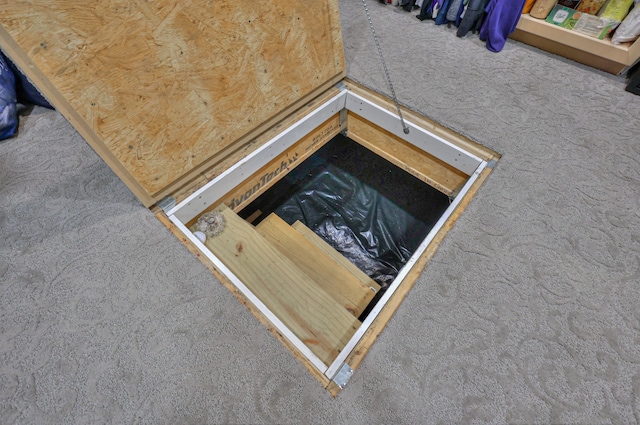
(500, 21)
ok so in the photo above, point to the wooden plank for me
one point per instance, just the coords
(416, 162)
(168, 85)
(634, 52)
(328, 274)
(338, 258)
(224, 280)
(451, 136)
(309, 312)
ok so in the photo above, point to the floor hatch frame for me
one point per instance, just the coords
(346, 100)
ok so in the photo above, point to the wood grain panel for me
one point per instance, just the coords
(307, 310)
(330, 275)
(416, 162)
(166, 85)
(338, 258)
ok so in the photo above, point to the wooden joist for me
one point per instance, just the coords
(418, 163)
(339, 259)
(336, 280)
(308, 311)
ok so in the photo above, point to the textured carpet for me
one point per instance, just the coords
(528, 313)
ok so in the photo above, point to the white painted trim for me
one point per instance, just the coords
(284, 330)
(419, 137)
(237, 173)
(334, 368)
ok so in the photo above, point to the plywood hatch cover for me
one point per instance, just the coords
(164, 89)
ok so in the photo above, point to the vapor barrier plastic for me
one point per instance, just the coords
(372, 212)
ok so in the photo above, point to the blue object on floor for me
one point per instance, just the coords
(8, 101)
(500, 21)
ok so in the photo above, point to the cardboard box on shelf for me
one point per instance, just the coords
(595, 26)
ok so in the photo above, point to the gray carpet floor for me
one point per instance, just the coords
(528, 313)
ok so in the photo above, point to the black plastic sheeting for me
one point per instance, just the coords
(372, 212)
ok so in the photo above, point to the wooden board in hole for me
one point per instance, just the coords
(331, 252)
(416, 162)
(338, 281)
(322, 324)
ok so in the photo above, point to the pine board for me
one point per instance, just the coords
(420, 164)
(337, 281)
(335, 255)
(308, 311)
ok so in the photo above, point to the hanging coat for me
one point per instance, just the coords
(501, 20)
(407, 5)
(26, 93)
(456, 8)
(438, 10)
(426, 10)
(441, 17)
(473, 17)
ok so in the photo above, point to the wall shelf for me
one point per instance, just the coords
(601, 54)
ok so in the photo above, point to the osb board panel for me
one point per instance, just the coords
(265, 137)
(167, 85)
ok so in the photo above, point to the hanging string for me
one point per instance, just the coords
(405, 128)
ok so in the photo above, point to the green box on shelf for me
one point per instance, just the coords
(583, 23)
(564, 17)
